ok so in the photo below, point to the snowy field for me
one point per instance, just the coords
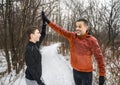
(56, 70)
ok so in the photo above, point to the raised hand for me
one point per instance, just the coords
(45, 19)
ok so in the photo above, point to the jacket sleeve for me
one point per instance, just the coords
(43, 34)
(66, 34)
(31, 64)
(99, 57)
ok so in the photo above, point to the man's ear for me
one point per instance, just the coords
(87, 27)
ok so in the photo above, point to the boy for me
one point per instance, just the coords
(33, 55)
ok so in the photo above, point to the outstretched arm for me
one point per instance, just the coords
(66, 34)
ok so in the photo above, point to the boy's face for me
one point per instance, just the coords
(36, 35)
(81, 28)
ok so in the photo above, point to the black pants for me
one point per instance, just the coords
(82, 78)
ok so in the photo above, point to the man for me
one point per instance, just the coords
(33, 55)
(82, 47)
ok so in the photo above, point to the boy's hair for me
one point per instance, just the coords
(31, 30)
(84, 20)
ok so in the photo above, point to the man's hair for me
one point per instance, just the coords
(87, 24)
(31, 30)
(84, 20)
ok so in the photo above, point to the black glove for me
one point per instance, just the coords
(40, 82)
(45, 18)
(101, 80)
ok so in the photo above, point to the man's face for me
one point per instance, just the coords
(81, 28)
(36, 35)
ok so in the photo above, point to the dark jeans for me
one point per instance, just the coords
(82, 78)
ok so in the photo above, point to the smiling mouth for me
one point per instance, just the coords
(78, 32)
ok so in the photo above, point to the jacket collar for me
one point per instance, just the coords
(83, 36)
(31, 43)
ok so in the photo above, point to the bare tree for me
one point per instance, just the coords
(15, 18)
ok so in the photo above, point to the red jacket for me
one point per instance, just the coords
(81, 50)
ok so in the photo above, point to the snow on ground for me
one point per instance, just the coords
(56, 70)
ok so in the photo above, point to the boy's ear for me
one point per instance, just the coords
(31, 35)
